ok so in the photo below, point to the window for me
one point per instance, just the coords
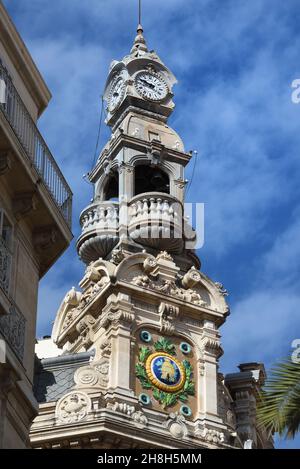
(5, 251)
(111, 190)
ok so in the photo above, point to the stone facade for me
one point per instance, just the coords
(34, 228)
(144, 310)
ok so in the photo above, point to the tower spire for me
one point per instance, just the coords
(140, 11)
(139, 42)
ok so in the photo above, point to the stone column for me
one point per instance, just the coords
(126, 187)
(211, 353)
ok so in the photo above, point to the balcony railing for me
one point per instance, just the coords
(34, 145)
(5, 263)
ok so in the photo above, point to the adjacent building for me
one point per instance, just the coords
(35, 227)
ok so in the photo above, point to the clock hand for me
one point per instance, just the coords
(148, 84)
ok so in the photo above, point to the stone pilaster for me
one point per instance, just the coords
(117, 319)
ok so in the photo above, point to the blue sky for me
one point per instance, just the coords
(235, 61)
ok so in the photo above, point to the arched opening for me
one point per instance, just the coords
(149, 179)
(111, 188)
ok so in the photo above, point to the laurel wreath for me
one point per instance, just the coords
(166, 399)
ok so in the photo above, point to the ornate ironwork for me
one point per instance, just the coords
(35, 147)
(5, 262)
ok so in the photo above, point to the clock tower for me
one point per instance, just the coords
(133, 361)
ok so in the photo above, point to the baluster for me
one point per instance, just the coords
(109, 218)
(145, 209)
(114, 218)
(101, 217)
(152, 209)
(139, 209)
(159, 209)
(133, 212)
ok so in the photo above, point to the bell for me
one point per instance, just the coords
(157, 179)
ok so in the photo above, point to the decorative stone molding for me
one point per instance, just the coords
(150, 265)
(5, 162)
(168, 313)
(164, 255)
(73, 407)
(201, 365)
(212, 346)
(117, 256)
(169, 287)
(44, 238)
(213, 436)
(84, 329)
(176, 425)
(23, 203)
(191, 278)
(125, 167)
(86, 376)
(73, 297)
(118, 310)
(139, 419)
(121, 407)
(105, 348)
(221, 289)
(93, 375)
(102, 367)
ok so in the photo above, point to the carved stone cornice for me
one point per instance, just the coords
(168, 314)
(212, 346)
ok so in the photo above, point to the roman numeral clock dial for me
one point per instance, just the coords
(151, 86)
(117, 93)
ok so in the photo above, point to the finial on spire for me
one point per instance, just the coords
(139, 42)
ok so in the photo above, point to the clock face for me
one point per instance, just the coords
(116, 94)
(151, 86)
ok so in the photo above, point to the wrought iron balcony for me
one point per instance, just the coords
(14, 110)
(5, 263)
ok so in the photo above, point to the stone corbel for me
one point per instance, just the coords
(44, 238)
(180, 183)
(191, 278)
(168, 314)
(212, 346)
(85, 330)
(23, 203)
(5, 162)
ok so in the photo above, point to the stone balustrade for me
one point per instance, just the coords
(102, 216)
(152, 219)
